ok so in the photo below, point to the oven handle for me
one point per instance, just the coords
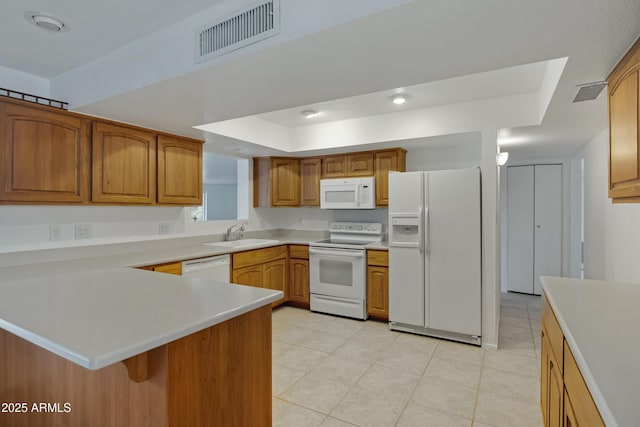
(337, 252)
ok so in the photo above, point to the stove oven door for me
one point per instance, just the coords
(338, 272)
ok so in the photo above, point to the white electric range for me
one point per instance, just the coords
(338, 269)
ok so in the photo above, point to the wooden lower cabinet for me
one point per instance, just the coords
(564, 397)
(275, 277)
(169, 268)
(262, 268)
(378, 285)
(299, 275)
(250, 276)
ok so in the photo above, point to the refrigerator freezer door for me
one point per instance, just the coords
(406, 263)
(454, 251)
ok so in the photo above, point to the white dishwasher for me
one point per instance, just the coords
(214, 268)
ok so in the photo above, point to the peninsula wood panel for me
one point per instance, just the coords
(124, 165)
(179, 171)
(208, 378)
(624, 122)
(310, 172)
(44, 155)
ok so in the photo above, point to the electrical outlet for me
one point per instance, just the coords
(82, 231)
(164, 228)
(55, 232)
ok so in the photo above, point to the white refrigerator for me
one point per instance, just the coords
(435, 254)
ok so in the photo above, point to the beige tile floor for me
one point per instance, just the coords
(331, 371)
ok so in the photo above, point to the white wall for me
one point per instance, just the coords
(23, 82)
(612, 231)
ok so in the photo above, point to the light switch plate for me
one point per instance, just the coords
(82, 231)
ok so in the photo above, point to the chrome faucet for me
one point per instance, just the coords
(235, 235)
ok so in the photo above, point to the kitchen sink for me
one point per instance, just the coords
(242, 243)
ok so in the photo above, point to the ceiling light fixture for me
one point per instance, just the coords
(502, 158)
(310, 113)
(399, 99)
(504, 133)
(46, 22)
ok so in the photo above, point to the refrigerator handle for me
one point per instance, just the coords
(425, 224)
(420, 228)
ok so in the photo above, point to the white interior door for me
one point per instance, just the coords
(520, 224)
(548, 223)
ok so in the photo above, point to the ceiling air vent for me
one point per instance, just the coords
(244, 27)
(589, 91)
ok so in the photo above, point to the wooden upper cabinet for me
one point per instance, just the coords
(310, 171)
(276, 182)
(334, 167)
(44, 155)
(360, 164)
(624, 120)
(348, 165)
(179, 171)
(124, 164)
(385, 162)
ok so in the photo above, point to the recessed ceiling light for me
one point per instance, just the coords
(309, 113)
(46, 22)
(399, 99)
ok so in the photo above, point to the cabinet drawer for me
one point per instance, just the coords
(554, 333)
(258, 256)
(380, 258)
(584, 408)
(299, 251)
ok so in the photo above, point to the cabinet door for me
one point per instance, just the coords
(310, 170)
(360, 164)
(44, 156)
(299, 280)
(334, 167)
(624, 178)
(250, 276)
(275, 277)
(556, 393)
(386, 161)
(179, 171)
(285, 182)
(569, 419)
(378, 292)
(544, 375)
(124, 165)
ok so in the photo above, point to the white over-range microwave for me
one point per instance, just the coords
(348, 193)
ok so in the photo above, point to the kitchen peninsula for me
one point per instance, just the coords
(120, 346)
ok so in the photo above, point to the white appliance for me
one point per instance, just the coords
(214, 268)
(338, 269)
(348, 193)
(435, 254)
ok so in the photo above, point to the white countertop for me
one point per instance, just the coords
(601, 323)
(95, 311)
(101, 316)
